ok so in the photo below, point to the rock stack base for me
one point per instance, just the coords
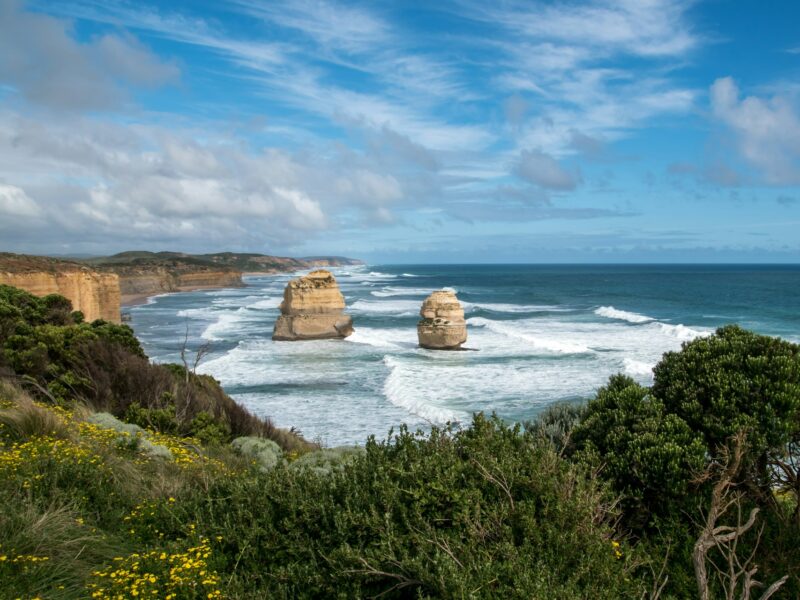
(442, 326)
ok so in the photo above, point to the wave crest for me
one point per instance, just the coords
(613, 313)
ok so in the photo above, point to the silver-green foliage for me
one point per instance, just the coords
(131, 434)
(328, 460)
(265, 452)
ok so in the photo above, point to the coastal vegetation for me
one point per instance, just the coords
(124, 479)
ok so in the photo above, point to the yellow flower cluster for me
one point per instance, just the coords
(88, 442)
(158, 574)
(181, 448)
(17, 458)
(615, 545)
(139, 516)
(12, 560)
(22, 558)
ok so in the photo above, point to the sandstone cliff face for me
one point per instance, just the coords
(442, 326)
(312, 309)
(96, 295)
(136, 282)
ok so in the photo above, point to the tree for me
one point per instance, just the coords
(732, 381)
(736, 574)
(650, 456)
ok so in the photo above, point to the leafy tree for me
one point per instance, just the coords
(648, 455)
(733, 381)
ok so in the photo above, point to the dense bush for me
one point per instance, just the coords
(484, 513)
(102, 364)
(734, 380)
(659, 448)
(650, 456)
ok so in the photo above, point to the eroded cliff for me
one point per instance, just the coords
(139, 281)
(95, 294)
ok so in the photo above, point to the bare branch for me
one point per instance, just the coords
(725, 538)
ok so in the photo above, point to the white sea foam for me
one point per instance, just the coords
(388, 292)
(197, 313)
(539, 343)
(513, 308)
(224, 292)
(409, 275)
(371, 337)
(386, 306)
(371, 276)
(266, 303)
(223, 325)
(637, 368)
(631, 317)
(400, 389)
(681, 332)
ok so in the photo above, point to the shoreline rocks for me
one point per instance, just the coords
(442, 326)
(312, 309)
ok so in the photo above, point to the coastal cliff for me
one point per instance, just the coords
(99, 286)
(139, 281)
(143, 273)
(95, 294)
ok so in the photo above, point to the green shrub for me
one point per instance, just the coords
(487, 512)
(649, 456)
(103, 365)
(556, 424)
(328, 460)
(265, 453)
(732, 381)
(131, 436)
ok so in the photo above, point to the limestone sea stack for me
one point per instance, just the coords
(442, 326)
(312, 309)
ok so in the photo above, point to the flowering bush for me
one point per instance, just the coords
(181, 575)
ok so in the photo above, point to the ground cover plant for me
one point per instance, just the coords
(119, 481)
(59, 358)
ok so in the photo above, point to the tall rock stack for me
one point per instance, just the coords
(312, 309)
(442, 326)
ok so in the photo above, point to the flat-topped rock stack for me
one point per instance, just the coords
(442, 326)
(312, 309)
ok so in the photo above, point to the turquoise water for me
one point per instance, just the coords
(542, 334)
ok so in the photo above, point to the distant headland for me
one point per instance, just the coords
(99, 286)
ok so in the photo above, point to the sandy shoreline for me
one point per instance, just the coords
(128, 300)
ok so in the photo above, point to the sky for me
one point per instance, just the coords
(456, 131)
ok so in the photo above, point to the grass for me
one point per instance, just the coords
(488, 512)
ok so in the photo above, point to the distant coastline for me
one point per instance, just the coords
(101, 286)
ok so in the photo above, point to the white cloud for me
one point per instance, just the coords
(139, 182)
(329, 24)
(544, 170)
(14, 202)
(41, 60)
(642, 27)
(767, 130)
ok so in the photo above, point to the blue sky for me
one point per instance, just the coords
(455, 131)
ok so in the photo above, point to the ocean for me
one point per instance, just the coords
(541, 334)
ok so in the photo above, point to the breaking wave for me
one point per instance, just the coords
(631, 317)
(400, 390)
(535, 342)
